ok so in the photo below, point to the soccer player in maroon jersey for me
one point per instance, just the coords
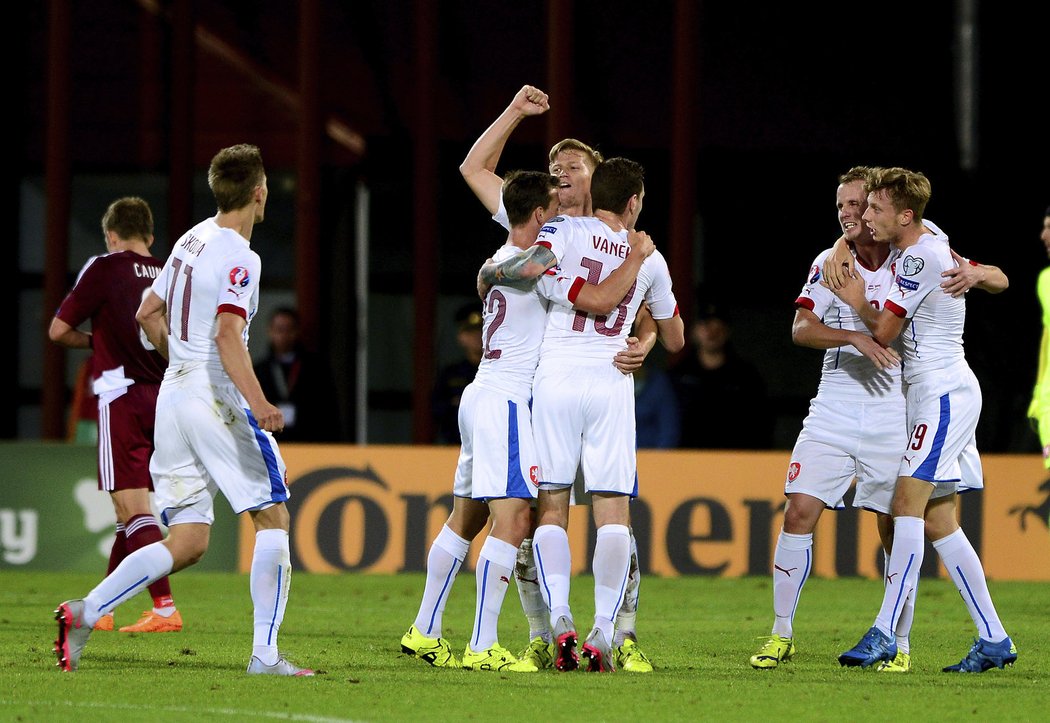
(126, 380)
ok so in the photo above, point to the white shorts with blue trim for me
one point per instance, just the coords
(497, 458)
(583, 417)
(943, 410)
(207, 440)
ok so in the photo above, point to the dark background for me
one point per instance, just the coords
(784, 100)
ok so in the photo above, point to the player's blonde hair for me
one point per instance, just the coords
(234, 174)
(907, 190)
(857, 173)
(593, 157)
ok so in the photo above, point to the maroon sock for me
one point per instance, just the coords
(119, 550)
(142, 530)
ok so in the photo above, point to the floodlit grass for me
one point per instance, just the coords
(698, 631)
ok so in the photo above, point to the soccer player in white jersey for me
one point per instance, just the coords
(855, 426)
(849, 431)
(498, 470)
(214, 424)
(943, 401)
(584, 406)
(571, 162)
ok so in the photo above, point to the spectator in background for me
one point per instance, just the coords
(657, 418)
(454, 378)
(722, 396)
(299, 383)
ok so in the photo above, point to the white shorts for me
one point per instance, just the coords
(943, 410)
(207, 440)
(842, 440)
(497, 458)
(970, 469)
(583, 417)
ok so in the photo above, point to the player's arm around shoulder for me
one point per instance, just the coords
(520, 271)
(604, 297)
(967, 274)
(839, 264)
(229, 340)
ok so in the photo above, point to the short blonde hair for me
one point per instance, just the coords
(593, 157)
(857, 173)
(907, 190)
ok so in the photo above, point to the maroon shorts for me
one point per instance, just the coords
(125, 438)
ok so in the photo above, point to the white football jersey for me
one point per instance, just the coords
(588, 251)
(512, 330)
(848, 374)
(933, 338)
(210, 270)
(501, 216)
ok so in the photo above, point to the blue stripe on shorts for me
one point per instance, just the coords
(928, 469)
(278, 492)
(516, 484)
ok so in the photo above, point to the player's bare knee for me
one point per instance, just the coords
(187, 544)
(274, 517)
(512, 525)
(468, 517)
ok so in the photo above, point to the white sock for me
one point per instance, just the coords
(792, 563)
(612, 562)
(903, 631)
(962, 563)
(269, 582)
(550, 545)
(532, 603)
(627, 616)
(446, 556)
(902, 574)
(133, 575)
(495, 566)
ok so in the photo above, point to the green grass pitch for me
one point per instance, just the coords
(699, 632)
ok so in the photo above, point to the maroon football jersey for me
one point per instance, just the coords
(109, 292)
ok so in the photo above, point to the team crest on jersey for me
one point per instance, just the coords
(534, 475)
(906, 284)
(549, 229)
(912, 265)
(793, 471)
(239, 276)
(814, 274)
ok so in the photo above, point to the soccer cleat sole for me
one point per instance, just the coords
(63, 652)
(566, 658)
(596, 662)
